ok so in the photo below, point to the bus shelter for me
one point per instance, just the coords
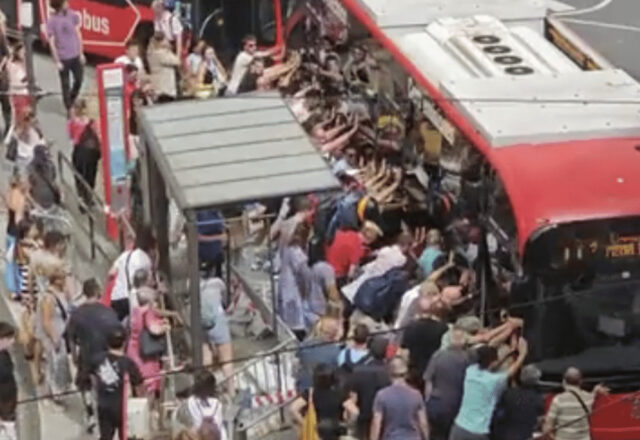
(219, 154)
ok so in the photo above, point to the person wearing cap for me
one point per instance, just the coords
(477, 335)
(444, 382)
(520, 408)
(365, 381)
(349, 247)
(483, 386)
(398, 410)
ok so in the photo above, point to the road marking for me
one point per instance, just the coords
(598, 6)
(620, 27)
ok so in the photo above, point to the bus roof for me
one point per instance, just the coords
(511, 116)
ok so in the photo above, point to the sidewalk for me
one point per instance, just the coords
(37, 420)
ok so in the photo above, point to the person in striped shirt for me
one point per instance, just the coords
(568, 416)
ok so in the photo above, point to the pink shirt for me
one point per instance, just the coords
(75, 127)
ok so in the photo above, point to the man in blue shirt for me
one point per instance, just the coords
(483, 387)
(211, 238)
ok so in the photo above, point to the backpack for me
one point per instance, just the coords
(378, 297)
(324, 212)
(343, 214)
(209, 427)
(89, 139)
(345, 371)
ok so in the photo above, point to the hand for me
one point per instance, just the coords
(83, 59)
(59, 66)
(601, 390)
(515, 322)
(523, 347)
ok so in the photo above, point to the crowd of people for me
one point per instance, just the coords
(378, 282)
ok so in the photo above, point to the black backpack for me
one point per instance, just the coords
(345, 371)
(378, 297)
(323, 215)
(89, 139)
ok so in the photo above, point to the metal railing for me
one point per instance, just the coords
(264, 386)
(96, 214)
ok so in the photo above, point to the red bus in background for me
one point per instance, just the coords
(108, 24)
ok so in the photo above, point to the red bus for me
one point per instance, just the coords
(108, 24)
(542, 142)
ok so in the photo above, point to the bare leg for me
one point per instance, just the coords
(225, 353)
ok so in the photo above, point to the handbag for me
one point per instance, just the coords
(12, 149)
(152, 347)
(310, 424)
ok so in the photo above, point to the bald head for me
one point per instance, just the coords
(458, 337)
(573, 377)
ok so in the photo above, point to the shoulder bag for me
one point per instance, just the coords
(584, 407)
(152, 347)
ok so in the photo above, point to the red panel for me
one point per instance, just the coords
(106, 28)
(570, 181)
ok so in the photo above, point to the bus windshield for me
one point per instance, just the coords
(586, 310)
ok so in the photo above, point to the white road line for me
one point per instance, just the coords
(598, 6)
(621, 27)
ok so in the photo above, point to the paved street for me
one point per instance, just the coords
(611, 27)
(39, 420)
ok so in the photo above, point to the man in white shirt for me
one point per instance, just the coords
(243, 61)
(131, 56)
(127, 264)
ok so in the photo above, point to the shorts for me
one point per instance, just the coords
(219, 334)
(458, 433)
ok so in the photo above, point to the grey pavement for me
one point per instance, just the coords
(39, 419)
(611, 27)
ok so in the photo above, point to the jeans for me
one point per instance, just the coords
(74, 67)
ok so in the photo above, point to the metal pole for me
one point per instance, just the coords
(196, 14)
(274, 307)
(28, 39)
(194, 288)
(92, 235)
(228, 267)
(272, 281)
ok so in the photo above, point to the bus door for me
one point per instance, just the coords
(226, 22)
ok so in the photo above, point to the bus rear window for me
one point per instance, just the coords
(601, 248)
